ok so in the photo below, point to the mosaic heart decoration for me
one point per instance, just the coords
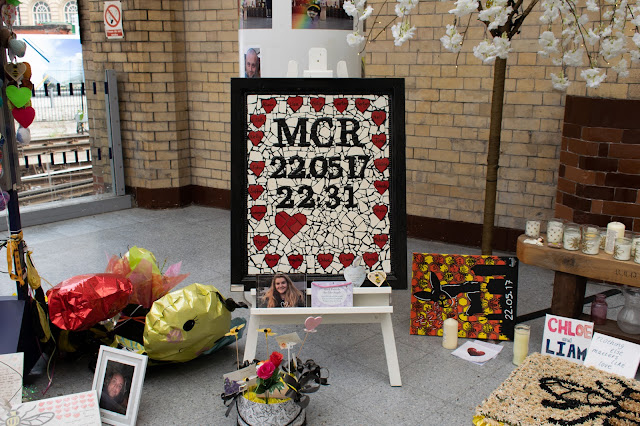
(379, 117)
(377, 277)
(381, 185)
(370, 259)
(260, 241)
(256, 137)
(381, 164)
(311, 323)
(255, 191)
(271, 260)
(380, 240)
(341, 104)
(256, 167)
(258, 119)
(295, 260)
(15, 71)
(325, 260)
(317, 103)
(380, 210)
(475, 352)
(24, 116)
(258, 212)
(290, 225)
(346, 259)
(19, 97)
(294, 102)
(379, 140)
(269, 104)
(362, 104)
(9, 14)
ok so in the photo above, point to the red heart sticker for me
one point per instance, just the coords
(255, 191)
(380, 210)
(290, 225)
(260, 241)
(317, 103)
(346, 259)
(370, 259)
(256, 137)
(258, 119)
(380, 240)
(271, 260)
(258, 212)
(325, 260)
(294, 102)
(295, 260)
(381, 164)
(379, 117)
(268, 105)
(24, 116)
(379, 140)
(381, 186)
(475, 352)
(256, 167)
(341, 104)
(362, 104)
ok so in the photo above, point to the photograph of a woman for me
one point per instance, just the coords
(280, 291)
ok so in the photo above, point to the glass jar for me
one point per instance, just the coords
(554, 233)
(622, 249)
(591, 242)
(599, 309)
(532, 228)
(520, 343)
(571, 237)
(635, 243)
(629, 315)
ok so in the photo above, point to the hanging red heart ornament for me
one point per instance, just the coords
(24, 116)
(9, 13)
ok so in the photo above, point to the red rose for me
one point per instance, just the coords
(266, 369)
(276, 358)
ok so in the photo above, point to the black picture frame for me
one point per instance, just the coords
(245, 92)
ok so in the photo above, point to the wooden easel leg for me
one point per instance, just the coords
(390, 350)
(251, 343)
(568, 295)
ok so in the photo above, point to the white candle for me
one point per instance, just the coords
(614, 230)
(635, 244)
(591, 243)
(622, 250)
(520, 343)
(532, 229)
(554, 233)
(450, 333)
(637, 258)
(571, 238)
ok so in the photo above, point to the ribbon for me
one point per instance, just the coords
(13, 257)
(309, 380)
(230, 401)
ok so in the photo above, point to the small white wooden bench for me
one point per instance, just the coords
(370, 305)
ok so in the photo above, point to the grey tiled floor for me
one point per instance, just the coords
(438, 389)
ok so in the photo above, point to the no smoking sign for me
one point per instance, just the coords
(113, 19)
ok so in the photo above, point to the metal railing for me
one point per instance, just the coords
(57, 102)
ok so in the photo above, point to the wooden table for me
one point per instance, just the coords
(573, 268)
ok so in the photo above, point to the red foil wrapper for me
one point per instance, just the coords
(84, 300)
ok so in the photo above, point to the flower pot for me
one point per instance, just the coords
(252, 413)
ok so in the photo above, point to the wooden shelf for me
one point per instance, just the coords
(610, 328)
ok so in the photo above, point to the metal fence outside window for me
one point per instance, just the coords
(57, 102)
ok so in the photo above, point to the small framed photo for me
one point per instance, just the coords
(282, 290)
(118, 381)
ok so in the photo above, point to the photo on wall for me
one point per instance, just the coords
(251, 63)
(282, 291)
(255, 14)
(320, 14)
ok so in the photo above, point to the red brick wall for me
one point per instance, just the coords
(599, 175)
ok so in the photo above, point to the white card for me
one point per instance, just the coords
(613, 355)
(288, 340)
(477, 351)
(11, 366)
(567, 338)
(79, 409)
(245, 377)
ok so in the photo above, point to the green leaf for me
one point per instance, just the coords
(14, 2)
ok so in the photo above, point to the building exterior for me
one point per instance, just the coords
(38, 12)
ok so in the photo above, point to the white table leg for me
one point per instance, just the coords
(251, 343)
(390, 350)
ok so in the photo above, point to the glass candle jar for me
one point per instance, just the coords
(532, 229)
(591, 243)
(599, 309)
(637, 256)
(520, 343)
(571, 237)
(614, 230)
(603, 238)
(629, 315)
(622, 249)
(554, 233)
(635, 243)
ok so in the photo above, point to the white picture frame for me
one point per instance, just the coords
(122, 371)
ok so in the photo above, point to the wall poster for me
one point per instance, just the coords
(478, 291)
(317, 177)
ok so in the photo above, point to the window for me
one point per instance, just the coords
(18, 21)
(41, 13)
(71, 13)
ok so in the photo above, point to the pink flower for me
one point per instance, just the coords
(266, 369)
(276, 358)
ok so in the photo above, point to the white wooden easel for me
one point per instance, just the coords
(317, 66)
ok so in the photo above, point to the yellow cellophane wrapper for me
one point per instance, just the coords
(183, 324)
(483, 421)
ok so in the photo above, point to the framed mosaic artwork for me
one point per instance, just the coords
(317, 177)
(480, 292)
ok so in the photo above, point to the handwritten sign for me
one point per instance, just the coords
(331, 294)
(240, 380)
(11, 378)
(613, 355)
(566, 338)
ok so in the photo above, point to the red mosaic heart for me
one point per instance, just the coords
(271, 260)
(379, 117)
(260, 241)
(258, 119)
(475, 352)
(380, 210)
(370, 259)
(317, 103)
(294, 102)
(258, 212)
(346, 259)
(341, 104)
(381, 186)
(380, 240)
(256, 167)
(295, 260)
(290, 225)
(269, 104)
(256, 137)
(362, 104)
(379, 140)
(24, 116)
(325, 260)
(255, 191)
(381, 164)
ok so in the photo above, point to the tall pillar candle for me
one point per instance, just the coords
(521, 343)
(450, 333)
(614, 230)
